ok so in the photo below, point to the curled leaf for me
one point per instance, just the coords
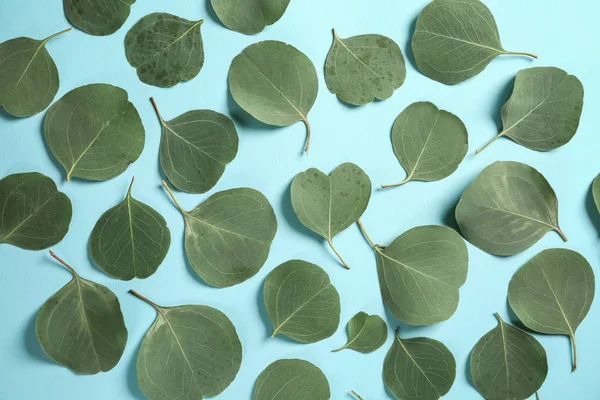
(366, 333)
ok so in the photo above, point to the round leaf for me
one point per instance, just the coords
(249, 17)
(98, 17)
(292, 379)
(366, 333)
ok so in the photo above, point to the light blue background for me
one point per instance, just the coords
(561, 33)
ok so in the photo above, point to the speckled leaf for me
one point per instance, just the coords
(98, 17)
(366, 333)
(249, 16)
(292, 379)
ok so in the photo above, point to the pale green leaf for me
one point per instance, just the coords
(249, 16)
(366, 333)
(292, 379)
(98, 17)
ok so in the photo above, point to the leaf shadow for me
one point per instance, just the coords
(192, 272)
(514, 320)
(31, 343)
(504, 94)
(53, 159)
(132, 381)
(404, 330)
(468, 376)
(592, 210)
(210, 11)
(6, 116)
(410, 56)
(243, 118)
(449, 216)
(290, 216)
(262, 310)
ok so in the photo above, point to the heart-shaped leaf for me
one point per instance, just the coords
(81, 326)
(362, 68)
(507, 208)
(35, 215)
(275, 83)
(292, 379)
(94, 132)
(249, 17)
(301, 302)
(165, 49)
(553, 292)
(229, 235)
(195, 148)
(366, 333)
(98, 17)
(327, 205)
(455, 40)
(130, 240)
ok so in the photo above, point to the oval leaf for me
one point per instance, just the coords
(249, 17)
(553, 292)
(508, 363)
(165, 49)
(275, 83)
(327, 205)
(429, 143)
(419, 369)
(301, 302)
(366, 333)
(363, 68)
(292, 379)
(455, 40)
(94, 132)
(35, 215)
(98, 17)
(507, 209)
(82, 327)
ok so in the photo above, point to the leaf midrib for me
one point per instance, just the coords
(223, 229)
(300, 307)
(513, 213)
(28, 217)
(339, 40)
(499, 51)
(572, 334)
(171, 44)
(418, 366)
(87, 327)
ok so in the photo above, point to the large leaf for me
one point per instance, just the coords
(418, 369)
(366, 333)
(553, 292)
(508, 363)
(327, 205)
(195, 148)
(430, 143)
(250, 16)
(81, 326)
(507, 208)
(28, 76)
(35, 215)
(291, 379)
(544, 109)
(362, 68)
(301, 302)
(421, 272)
(190, 352)
(229, 235)
(275, 83)
(94, 132)
(165, 49)
(98, 17)
(130, 240)
(455, 40)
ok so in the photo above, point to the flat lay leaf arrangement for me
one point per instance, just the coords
(98, 17)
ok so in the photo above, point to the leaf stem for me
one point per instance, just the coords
(157, 110)
(56, 34)
(173, 197)
(520, 53)
(574, 353)
(145, 299)
(338, 254)
(562, 235)
(490, 142)
(366, 235)
(498, 317)
(307, 134)
(340, 349)
(397, 184)
(60, 260)
(356, 394)
(537, 396)
(130, 186)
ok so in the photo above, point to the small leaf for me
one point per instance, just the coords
(195, 148)
(94, 132)
(455, 40)
(98, 17)
(366, 333)
(275, 83)
(507, 208)
(190, 352)
(35, 215)
(327, 205)
(429, 143)
(229, 235)
(81, 326)
(508, 363)
(363, 68)
(418, 369)
(301, 302)
(28, 76)
(249, 17)
(165, 49)
(292, 379)
(130, 240)
(553, 292)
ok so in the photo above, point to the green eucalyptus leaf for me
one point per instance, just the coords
(98, 17)
(130, 240)
(195, 147)
(190, 352)
(35, 215)
(508, 363)
(418, 369)
(229, 235)
(596, 191)
(362, 68)
(81, 326)
(327, 205)
(292, 379)
(275, 83)
(301, 302)
(507, 208)
(553, 292)
(165, 49)
(28, 76)
(249, 17)
(429, 143)
(94, 132)
(455, 40)
(366, 333)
